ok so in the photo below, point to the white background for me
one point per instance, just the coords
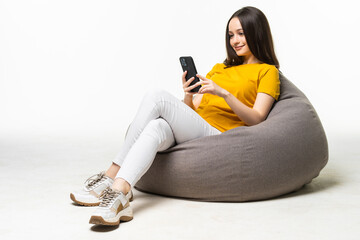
(82, 66)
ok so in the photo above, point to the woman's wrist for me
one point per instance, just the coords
(224, 93)
(188, 100)
(188, 96)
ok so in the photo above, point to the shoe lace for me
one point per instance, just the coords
(107, 197)
(94, 179)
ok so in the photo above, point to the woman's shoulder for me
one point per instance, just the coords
(268, 67)
(268, 71)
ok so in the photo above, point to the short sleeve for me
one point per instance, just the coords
(269, 82)
(213, 70)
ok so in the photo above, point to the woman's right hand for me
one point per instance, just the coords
(186, 87)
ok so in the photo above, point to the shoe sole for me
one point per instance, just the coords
(100, 221)
(83, 203)
(126, 217)
(72, 197)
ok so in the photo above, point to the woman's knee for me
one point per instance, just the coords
(161, 130)
(155, 94)
(157, 126)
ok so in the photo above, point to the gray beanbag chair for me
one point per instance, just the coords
(275, 157)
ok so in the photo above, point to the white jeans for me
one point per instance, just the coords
(161, 121)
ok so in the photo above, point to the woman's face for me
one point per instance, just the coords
(237, 38)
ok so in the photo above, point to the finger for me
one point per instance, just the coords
(188, 89)
(205, 89)
(198, 83)
(201, 77)
(188, 82)
(202, 89)
(194, 86)
(191, 87)
(183, 76)
(205, 80)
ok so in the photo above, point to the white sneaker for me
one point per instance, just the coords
(114, 207)
(94, 187)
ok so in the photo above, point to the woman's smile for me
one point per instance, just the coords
(237, 48)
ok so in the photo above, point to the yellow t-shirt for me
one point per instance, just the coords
(242, 81)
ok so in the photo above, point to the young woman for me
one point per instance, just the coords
(238, 92)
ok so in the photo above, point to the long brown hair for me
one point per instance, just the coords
(258, 37)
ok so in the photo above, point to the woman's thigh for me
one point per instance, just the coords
(185, 123)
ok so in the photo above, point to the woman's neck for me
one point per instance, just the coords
(250, 59)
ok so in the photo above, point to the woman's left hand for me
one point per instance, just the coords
(208, 86)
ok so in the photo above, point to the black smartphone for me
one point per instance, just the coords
(187, 64)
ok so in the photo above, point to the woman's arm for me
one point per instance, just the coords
(197, 100)
(193, 102)
(251, 116)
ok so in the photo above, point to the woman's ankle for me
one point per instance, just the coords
(121, 185)
(112, 171)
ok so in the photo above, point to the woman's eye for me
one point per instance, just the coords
(231, 36)
(241, 34)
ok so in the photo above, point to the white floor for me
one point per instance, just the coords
(39, 171)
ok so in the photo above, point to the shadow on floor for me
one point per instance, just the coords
(318, 184)
(101, 228)
(148, 201)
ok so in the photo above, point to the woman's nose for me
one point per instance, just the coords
(236, 39)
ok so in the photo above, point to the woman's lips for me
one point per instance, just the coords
(239, 47)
